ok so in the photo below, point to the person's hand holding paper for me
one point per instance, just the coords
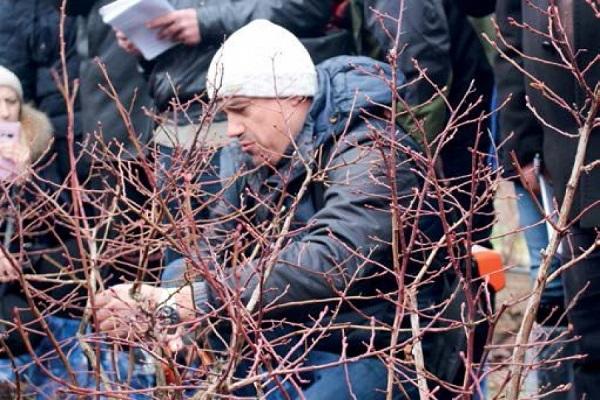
(126, 44)
(178, 26)
(131, 16)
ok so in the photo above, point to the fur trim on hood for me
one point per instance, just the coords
(36, 131)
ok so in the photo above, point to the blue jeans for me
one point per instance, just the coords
(537, 239)
(365, 379)
(38, 385)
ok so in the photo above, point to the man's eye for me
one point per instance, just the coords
(241, 110)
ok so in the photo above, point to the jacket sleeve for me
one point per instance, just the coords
(305, 18)
(353, 225)
(517, 124)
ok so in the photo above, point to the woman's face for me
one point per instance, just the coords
(10, 106)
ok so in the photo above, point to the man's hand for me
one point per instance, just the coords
(121, 315)
(126, 44)
(8, 271)
(179, 26)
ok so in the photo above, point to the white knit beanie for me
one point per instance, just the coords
(262, 60)
(8, 78)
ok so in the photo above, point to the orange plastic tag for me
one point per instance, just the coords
(490, 266)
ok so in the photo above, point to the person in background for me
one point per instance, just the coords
(439, 36)
(126, 138)
(100, 116)
(534, 50)
(36, 242)
(30, 37)
(523, 134)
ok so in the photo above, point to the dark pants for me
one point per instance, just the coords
(585, 314)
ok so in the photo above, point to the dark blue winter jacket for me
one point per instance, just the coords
(338, 244)
(29, 33)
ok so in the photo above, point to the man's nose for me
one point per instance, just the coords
(234, 129)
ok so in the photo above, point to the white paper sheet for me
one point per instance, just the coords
(131, 16)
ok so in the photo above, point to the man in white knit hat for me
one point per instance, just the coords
(307, 202)
(272, 80)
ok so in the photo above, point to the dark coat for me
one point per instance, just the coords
(519, 129)
(98, 40)
(558, 151)
(341, 215)
(425, 37)
(29, 33)
(439, 35)
(47, 248)
(187, 66)
(40, 242)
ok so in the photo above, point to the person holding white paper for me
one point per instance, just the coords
(200, 26)
(177, 77)
(96, 40)
(131, 17)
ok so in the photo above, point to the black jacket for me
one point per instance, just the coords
(40, 242)
(558, 151)
(439, 35)
(185, 67)
(43, 247)
(98, 40)
(29, 33)
(519, 129)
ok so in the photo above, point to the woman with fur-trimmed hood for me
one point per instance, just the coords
(35, 127)
(28, 245)
(41, 244)
(25, 135)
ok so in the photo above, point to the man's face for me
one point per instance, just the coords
(10, 106)
(265, 127)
